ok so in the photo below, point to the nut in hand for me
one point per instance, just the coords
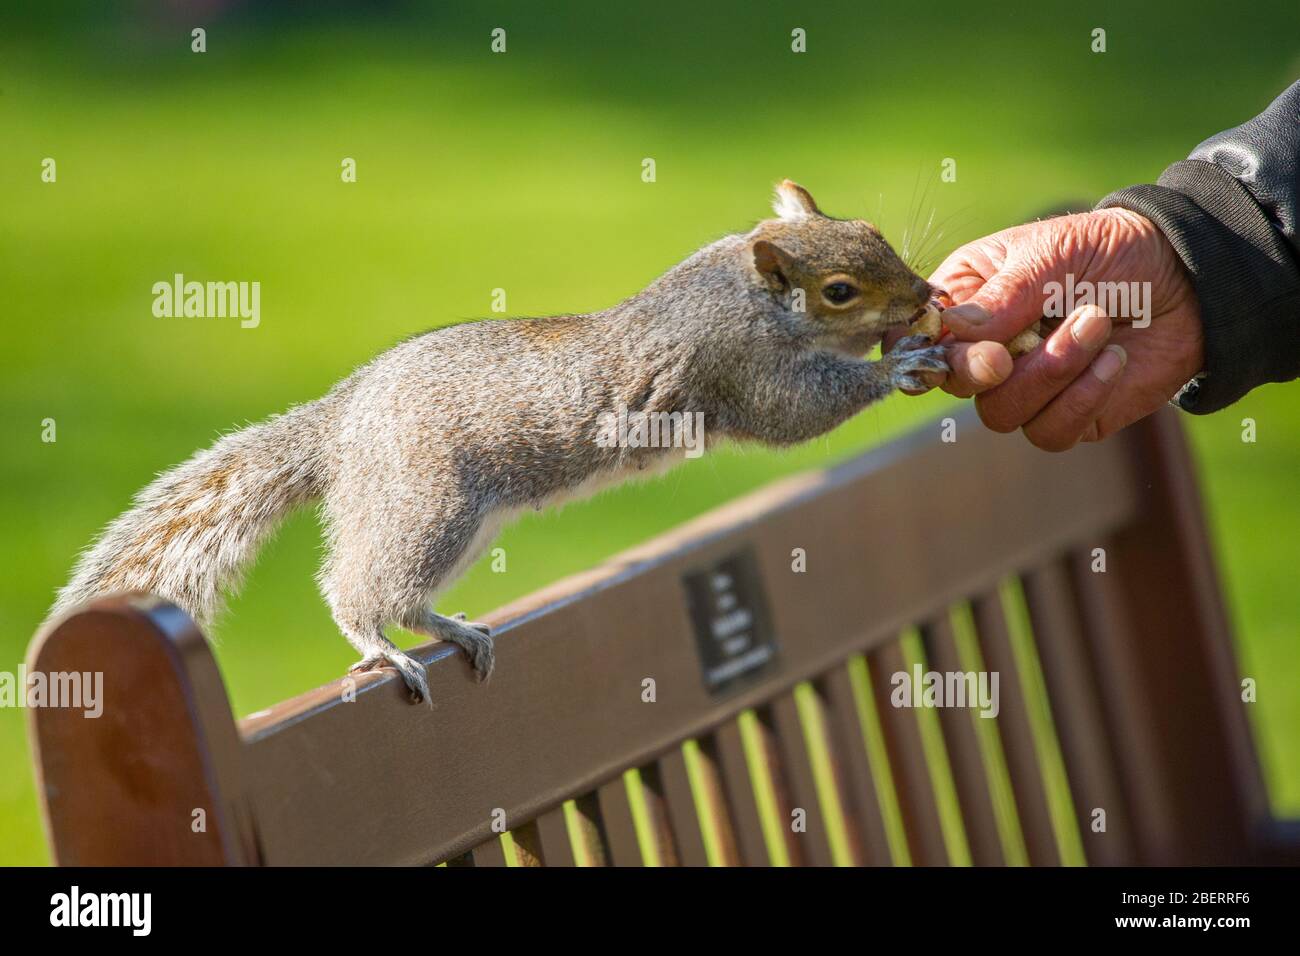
(1026, 341)
(930, 322)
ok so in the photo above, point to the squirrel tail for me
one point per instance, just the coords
(193, 530)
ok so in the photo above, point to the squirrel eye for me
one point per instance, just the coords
(839, 292)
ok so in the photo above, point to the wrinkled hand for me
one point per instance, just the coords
(1095, 373)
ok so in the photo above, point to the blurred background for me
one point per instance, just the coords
(522, 171)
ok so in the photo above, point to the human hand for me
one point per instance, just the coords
(1095, 373)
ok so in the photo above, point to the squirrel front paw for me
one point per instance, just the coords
(911, 355)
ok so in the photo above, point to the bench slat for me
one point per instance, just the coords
(617, 824)
(819, 726)
(1076, 713)
(1126, 707)
(553, 839)
(491, 853)
(738, 783)
(814, 841)
(782, 789)
(659, 821)
(528, 845)
(714, 797)
(590, 829)
(964, 755)
(907, 759)
(680, 804)
(862, 803)
(1017, 736)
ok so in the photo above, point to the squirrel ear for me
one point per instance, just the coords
(793, 201)
(772, 262)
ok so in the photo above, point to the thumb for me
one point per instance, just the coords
(1003, 307)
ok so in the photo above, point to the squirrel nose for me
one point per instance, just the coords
(923, 290)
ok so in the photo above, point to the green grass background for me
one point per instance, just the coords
(522, 171)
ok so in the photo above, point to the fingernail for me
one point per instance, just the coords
(970, 313)
(1109, 363)
(1090, 329)
(982, 371)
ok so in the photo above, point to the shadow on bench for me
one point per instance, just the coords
(704, 699)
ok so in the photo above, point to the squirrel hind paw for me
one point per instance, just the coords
(463, 618)
(475, 639)
(411, 671)
(480, 650)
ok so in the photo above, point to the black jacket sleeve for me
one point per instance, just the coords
(1231, 211)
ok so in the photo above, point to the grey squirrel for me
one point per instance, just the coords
(420, 456)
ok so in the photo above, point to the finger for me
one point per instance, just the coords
(1072, 416)
(1046, 371)
(976, 367)
(1000, 309)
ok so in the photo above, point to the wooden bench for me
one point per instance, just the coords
(701, 699)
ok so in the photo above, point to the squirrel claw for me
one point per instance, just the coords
(463, 618)
(411, 671)
(478, 647)
(481, 653)
(475, 639)
(903, 362)
(910, 343)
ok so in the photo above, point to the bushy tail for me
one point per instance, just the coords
(193, 530)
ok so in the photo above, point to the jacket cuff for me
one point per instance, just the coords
(1246, 278)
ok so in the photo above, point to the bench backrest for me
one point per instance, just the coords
(725, 694)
